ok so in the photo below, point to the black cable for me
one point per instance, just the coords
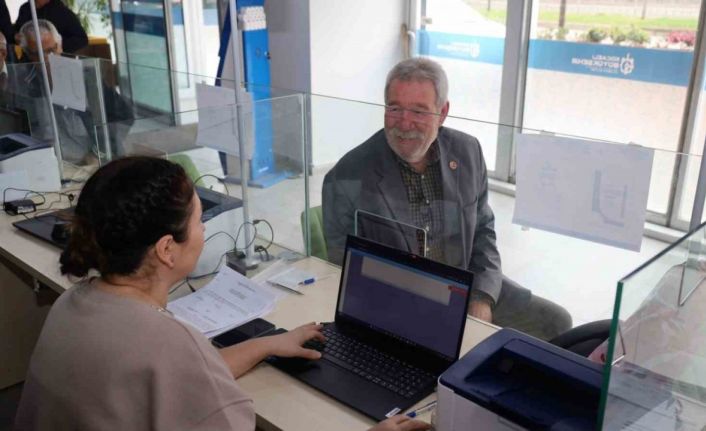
(260, 250)
(175, 288)
(272, 231)
(40, 211)
(222, 232)
(237, 235)
(220, 180)
(208, 274)
(190, 286)
(220, 260)
(28, 192)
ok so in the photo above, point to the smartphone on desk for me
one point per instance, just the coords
(253, 329)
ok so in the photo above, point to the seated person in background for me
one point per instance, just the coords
(6, 22)
(4, 76)
(77, 129)
(422, 174)
(110, 356)
(63, 18)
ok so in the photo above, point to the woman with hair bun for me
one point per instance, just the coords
(110, 356)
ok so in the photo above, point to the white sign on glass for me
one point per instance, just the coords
(585, 189)
(218, 119)
(68, 88)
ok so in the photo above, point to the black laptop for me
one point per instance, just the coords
(399, 324)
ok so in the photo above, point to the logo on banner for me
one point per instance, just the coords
(607, 64)
(460, 49)
(627, 65)
(475, 50)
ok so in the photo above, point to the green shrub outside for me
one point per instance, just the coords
(618, 35)
(596, 35)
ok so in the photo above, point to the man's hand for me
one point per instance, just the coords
(401, 423)
(480, 309)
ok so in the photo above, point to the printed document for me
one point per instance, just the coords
(68, 89)
(218, 119)
(229, 300)
(585, 189)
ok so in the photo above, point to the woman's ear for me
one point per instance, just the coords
(164, 250)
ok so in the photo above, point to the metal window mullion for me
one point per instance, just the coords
(512, 93)
(686, 135)
(171, 58)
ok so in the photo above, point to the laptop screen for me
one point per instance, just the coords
(405, 296)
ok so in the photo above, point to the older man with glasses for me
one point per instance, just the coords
(50, 40)
(422, 187)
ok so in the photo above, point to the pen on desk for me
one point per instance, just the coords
(423, 409)
(307, 281)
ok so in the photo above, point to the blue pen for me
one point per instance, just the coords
(307, 281)
(423, 409)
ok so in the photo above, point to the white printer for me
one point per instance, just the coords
(19, 152)
(512, 381)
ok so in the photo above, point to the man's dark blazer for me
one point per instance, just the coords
(6, 24)
(368, 178)
(73, 36)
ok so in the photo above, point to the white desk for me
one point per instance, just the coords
(25, 263)
(281, 402)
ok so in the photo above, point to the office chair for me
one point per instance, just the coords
(316, 229)
(185, 162)
(584, 339)
(517, 307)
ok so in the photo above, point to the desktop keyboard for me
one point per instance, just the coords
(371, 364)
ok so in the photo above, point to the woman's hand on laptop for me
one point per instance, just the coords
(401, 423)
(290, 343)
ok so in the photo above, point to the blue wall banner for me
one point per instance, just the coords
(662, 66)
(461, 46)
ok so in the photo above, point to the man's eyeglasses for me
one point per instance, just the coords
(48, 50)
(417, 115)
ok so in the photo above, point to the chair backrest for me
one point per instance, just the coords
(185, 162)
(584, 339)
(316, 228)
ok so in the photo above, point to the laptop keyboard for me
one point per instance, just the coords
(381, 369)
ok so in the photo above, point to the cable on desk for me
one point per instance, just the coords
(175, 288)
(42, 194)
(220, 180)
(260, 249)
(272, 231)
(237, 235)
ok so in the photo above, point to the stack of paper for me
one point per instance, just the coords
(292, 279)
(229, 300)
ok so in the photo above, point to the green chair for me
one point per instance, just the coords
(185, 162)
(316, 228)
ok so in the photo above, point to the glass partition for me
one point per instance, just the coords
(291, 134)
(25, 103)
(570, 275)
(206, 143)
(105, 93)
(656, 363)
